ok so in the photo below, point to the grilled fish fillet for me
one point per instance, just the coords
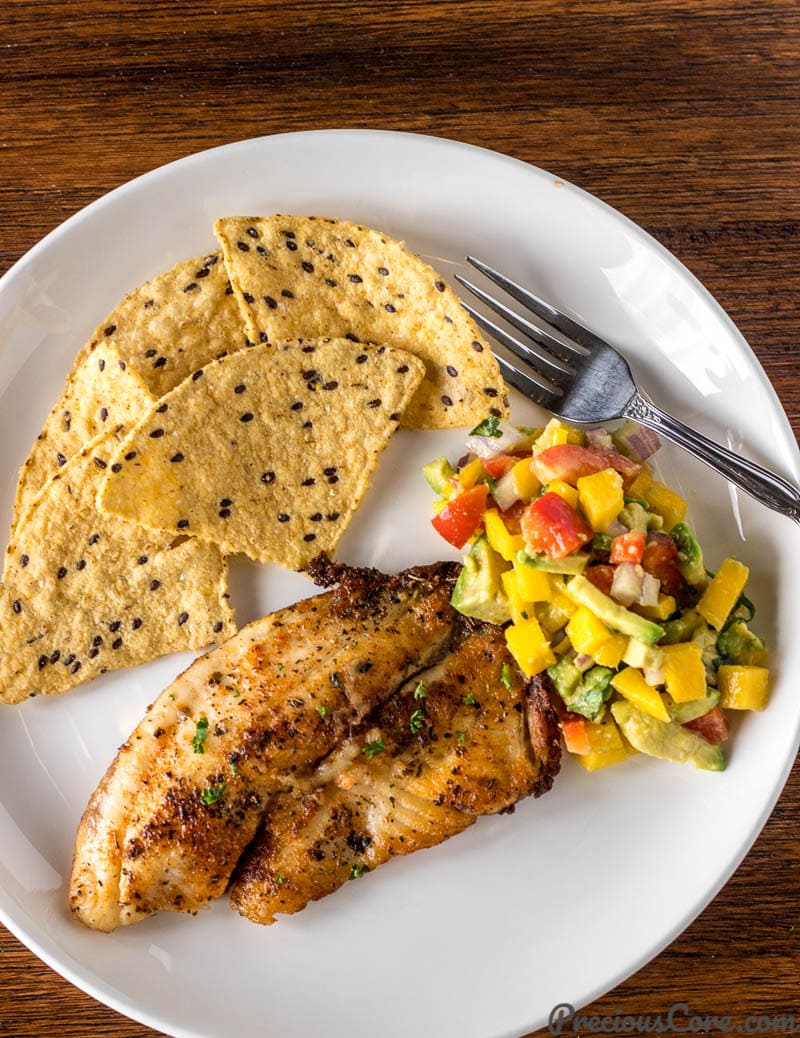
(473, 739)
(188, 790)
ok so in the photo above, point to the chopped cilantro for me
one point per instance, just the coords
(200, 734)
(419, 691)
(212, 794)
(524, 615)
(505, 676)
(373, 748)
(469, 699)
(279, 667)
(460, 738)
(279, 879)
(322, 710)
(171, 696)
(488, 427)
(417, 720)
(234, 769)
(357, 871)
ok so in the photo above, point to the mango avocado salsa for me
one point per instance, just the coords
(589, 563)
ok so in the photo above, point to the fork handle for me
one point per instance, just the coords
(765, 486)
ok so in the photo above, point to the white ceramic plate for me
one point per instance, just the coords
(483, 935)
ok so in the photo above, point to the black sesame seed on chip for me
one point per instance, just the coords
(451, 371)
(136, 623)
(225, 502)
(252, 233)
(156, 434)
(117, 643)
(101, 364)
(103, 414)
(24, 560)
(61, 459)
(177, 457)
(477, 346)
(211, 261)
(402, 369)
(394, 416)
(297, 405)
(309, 482)
(495, 412)
(97, 640)
(356, 279)
(309, 349)
(69, 659)
(288, 234)
(94, 538)
(308, 425)
(55, 656)
(155, 585)
(203, 272)
(224, 513)
(182, 618)
(332, 516)
(217, 627)
(390, 309)
(240, 388)
(383, 271)
(331, 282)
(80, 564)
(267, 478)
(446, 401)
(291, 246)
(248, 297)
(330, 470)
(93, 653)
(16, 605)
(449, 320)
(374, 403)
(283, 517)
(490, 391)
(109, 330)
(162, 408)
(62, 572)
(160, 362)
(271, 303)
(349, 243)
(262, 337)
(333, 384)
(197, 374)
(309, 537)
(316, 517)
(287, 294)
(439, 286)
(333, 479)
(352, 338)
(43, 661)
(242, 246)
(141, 560)
(182, 524)
(262, 251)
(122, 364)
(361, 358)
(76, 666)
(246, 417)
(191, 287)
(307, 267)
(99, 463)
(114, 625)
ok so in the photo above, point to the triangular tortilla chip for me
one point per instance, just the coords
(309, 276)
(267, 451)
(101, 393)
(86, 593)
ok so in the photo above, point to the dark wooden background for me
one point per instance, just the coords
(685, 115)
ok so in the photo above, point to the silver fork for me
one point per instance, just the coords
(581, 378)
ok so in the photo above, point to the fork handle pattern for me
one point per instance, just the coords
(765, 486)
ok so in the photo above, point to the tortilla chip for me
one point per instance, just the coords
(267, 451)
(309, 276)
(101, 393)
(87, 593)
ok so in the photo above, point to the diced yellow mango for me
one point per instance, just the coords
(470, 474)
(743, 688)
(526, 480)
(640, 484)
(529, 646)
(630, 683)
(723, 592)
(439, 504)
(590, 635)
(564, 490)
(563, 602)
(665, 607)
(684, 673)
(520, 609)
(666, 503)
(601, 498)
(504, 543)
(534, 584)
(555, 433)
(606, 746)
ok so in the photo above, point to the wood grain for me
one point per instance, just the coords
(683, 115)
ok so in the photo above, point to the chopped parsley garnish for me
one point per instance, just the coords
(200, 735)
(357, 871)
(460, 738)
(322, 710)
(279, 667)
(490, 483)
(488, 427)
(373, 748)
(505, 676)
(171, 696)
(417, 720)
(211, 794)
(234, 769)
(280, 879)
(419, 691)
(469, 699)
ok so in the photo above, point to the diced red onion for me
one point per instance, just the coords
(616, 529)
(654, 676)
(488, 446)
(642, 443)
(626, 587)
(506, 492)
(583, 662)
(600, 438)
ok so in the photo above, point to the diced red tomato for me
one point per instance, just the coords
(513, 516)
(462, 516)
(601, 575)
(660, 559)
(569, 462)
(552, 526)
(499, 465)
(712, 726)
(628, 547)
(576, 739)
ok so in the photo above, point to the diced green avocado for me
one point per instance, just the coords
(738, 644)
(571, 564)
(707, 640)
(438, 474)
(479, 591)
(683, 712)
(638, 654)
(682, 628)
(636, 517)
(612, 614)
(690, 555)
(582, 693)
(667, 740)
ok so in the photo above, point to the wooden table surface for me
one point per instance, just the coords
(684, 115)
